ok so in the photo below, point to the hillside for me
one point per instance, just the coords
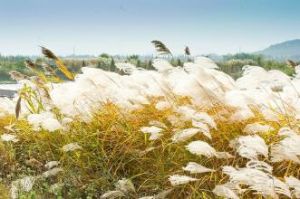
(285, 50)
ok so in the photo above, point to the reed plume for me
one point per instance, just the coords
(17, 76)
(48, 53)
(48, 69)
(160, 47)
(30, 65)
(187, 51)
(59, 63)
(291, 63)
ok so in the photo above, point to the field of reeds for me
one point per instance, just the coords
(190, 131)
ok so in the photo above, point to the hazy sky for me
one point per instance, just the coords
(128, 26)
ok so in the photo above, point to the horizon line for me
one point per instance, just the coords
(147, 54)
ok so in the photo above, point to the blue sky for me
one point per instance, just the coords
(128, 26)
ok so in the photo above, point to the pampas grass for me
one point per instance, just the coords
(151, 134)
(110, 147)
(160, 47)
(59, 63)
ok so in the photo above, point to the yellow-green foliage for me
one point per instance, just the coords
(114, 148)
(4, 193)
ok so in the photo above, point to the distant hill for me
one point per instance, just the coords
(285, 50)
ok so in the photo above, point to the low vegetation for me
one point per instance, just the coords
(190, 131)
(230, 64)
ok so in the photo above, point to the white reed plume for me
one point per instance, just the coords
(257, 128)
(201, 148)
(180, 179)
(288, 148)
(155, 132)
(194, 167)
(250, 146)
(294, 185)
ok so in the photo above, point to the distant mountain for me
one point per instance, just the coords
(285, 50)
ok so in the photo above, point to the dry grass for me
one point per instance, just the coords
(114, 148)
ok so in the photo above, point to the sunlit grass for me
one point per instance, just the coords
(142, 147)
(114, 148)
